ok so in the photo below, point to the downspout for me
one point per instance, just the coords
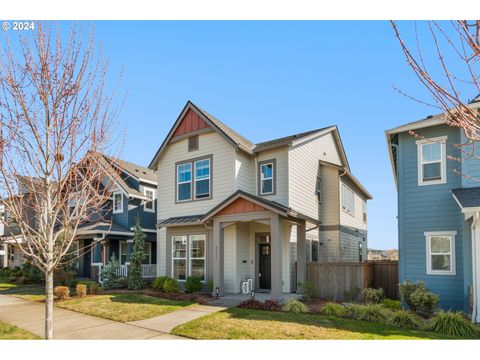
(475, 230)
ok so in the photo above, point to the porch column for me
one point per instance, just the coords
(218, 281)
(301, 256)
(276, 231)
(476, 268)
(5, 255)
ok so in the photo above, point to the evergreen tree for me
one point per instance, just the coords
(135, 280)
(110, 274)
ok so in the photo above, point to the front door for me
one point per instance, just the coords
(87, 258)
(264, 262)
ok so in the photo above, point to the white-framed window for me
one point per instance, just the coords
(149, 204)
(202, 178)
(123, 251)
(348, 200)
(267, 171)
(179, 257)
(364, 210)
(432, 161)
(318, 189)
(440, 246)
(197, 256)
(184, 182)
(147, 259)
(117, 202)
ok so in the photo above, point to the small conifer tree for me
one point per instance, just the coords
(110, 274)
(135, 280)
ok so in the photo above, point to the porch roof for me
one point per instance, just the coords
(467, 198)
(181, 220)
(104, 228)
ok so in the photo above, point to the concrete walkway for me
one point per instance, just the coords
(68, 324)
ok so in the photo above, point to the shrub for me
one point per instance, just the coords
(308, 291)
(92, 286)
(373, 296)
(424, 302)
(122, 283)
(171, 286)
(392, 304)
(12, 279)
(251, 304)
(110, 274)
(21, 280)
(354, 311)
(295, 307)
(272, 305)
(81, 290)
(333, 309)
(193, 284)
(373, 313)
(453, 324)
(135, 279)
(159, 282)
(405, 319)
(352, 295)
(62, 292)
(64, 278)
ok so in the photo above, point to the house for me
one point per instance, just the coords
(109, 233)
(233, 212)
(438, 210)
(382, 255)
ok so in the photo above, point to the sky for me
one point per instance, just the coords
(267, 80)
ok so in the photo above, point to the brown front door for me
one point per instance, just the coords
(264, 262)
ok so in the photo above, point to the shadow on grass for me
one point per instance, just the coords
(28, 291)
(322, 321)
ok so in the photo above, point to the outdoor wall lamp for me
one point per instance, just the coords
(217, 291)
(252, 294)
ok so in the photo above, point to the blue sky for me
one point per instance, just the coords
(267, 80)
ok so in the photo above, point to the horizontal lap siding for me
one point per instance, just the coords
(245, 172)
(281, 173)
(429, 208)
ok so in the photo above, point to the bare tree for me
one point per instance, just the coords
(55, 120)
(446, 64)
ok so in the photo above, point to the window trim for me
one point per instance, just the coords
(443, 160)
(120, 252)
(195, 178)
(152, 210)
(192, 182)
(274, 176)
(148, 245)
(351, 213)
(204, 258)
(452, 235)
(177, 258)
(318, 189)
(121, 202)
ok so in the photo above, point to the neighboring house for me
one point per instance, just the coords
(382, 255)
(438, 211)
(230, 210)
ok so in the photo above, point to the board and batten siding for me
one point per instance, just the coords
(303, 169)
(280, 155)
(429, 208)
(222, 181)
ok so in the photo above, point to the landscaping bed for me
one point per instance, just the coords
(11, 332)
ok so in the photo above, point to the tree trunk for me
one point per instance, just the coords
(49, 305)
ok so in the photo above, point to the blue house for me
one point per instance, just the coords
(438, 211)
(134, 195)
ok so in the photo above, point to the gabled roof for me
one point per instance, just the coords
(104, 228)
(467, 198)
(270, 144)
(139, 172)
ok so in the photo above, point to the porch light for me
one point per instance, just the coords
(217, 291)
(252, 294)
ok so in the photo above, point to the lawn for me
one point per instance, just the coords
(123, 307)
(27, 292)
(11, 332)
(238, 323)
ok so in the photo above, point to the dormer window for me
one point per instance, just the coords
(267, 177)
(149, 203)
(432, 161)
(117, 202)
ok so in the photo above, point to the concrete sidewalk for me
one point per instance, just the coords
(68, 324)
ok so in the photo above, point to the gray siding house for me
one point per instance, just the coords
(438, 211)
(244, 216)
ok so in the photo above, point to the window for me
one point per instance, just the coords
(267, 181)
(179, 257)
(197, 181)
(74, 252)
(193, 143)
(147, 259)
(314, 250)
(348, 200)
(432, 161)
(197, 256)
(441, 252)
(149, 204)
(319, 189)
(364, 210)
(360, 252)
(10, 219)
(117, 202)
(202, 179)
(184, 182)
(123, 252)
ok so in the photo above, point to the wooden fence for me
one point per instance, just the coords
(332, 280)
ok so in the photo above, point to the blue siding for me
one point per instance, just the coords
(470, 165)
(430, 208)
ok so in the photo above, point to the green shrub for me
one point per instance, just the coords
(110, 274)
(392, 304)
(159, 282)
(193, 284)
(122, 283)
(295, 307)
(354, 311)
(333, 309)
(92, 286)
(424, 302)
(373, 296)
(81, 290)
(373, 313)
(453, 324)
(308, 291)
(171, 286)
(405, 319)
(352, 295)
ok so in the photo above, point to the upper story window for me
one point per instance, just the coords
(318, 189)
(117, 202)
(440, 252)
(348, 200)
(267, 177)
(432, 161)
(194, 180)
(150, 202)
(193, 143)
(364, 211)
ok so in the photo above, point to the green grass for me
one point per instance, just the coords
(123, 307)
(28, 292)
(238, 323)
(11, 332)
